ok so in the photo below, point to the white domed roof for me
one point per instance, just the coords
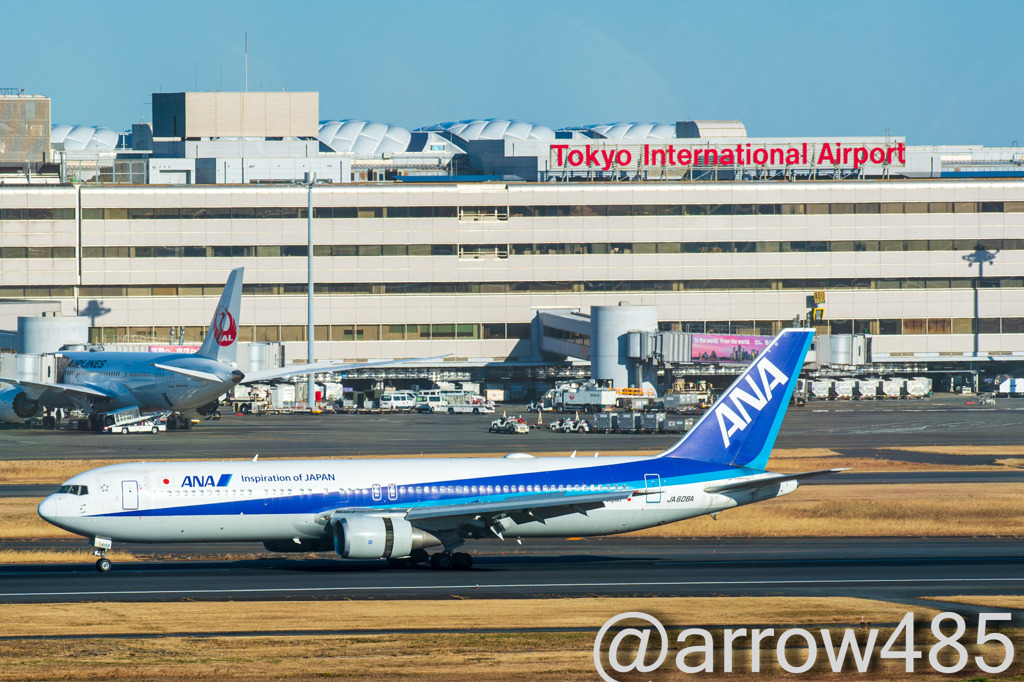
(496, 129)
(635, 131)
(363, 137)
(79, 138)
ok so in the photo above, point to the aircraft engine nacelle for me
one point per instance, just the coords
(377, 537)
(16, 406)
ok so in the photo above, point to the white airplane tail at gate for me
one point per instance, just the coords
(221, 342)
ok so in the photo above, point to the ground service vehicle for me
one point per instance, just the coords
(469, 403)
(431, 403)
(128, 420)
(397, 401)
(509, 425)
(588, 398)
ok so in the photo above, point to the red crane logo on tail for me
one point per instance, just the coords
(224, 327)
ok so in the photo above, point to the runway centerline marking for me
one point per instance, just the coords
(701, 583)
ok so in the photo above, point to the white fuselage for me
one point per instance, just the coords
(289, 499)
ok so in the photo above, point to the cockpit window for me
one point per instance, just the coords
(73, 489)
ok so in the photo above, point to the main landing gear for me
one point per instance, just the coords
(439, 561)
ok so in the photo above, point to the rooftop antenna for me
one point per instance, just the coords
(247, 61)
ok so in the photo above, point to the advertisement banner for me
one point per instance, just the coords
(173, 349)
(726, 348)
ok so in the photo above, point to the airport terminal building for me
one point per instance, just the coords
(452, 238)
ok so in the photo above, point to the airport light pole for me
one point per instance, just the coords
(310, 180)
(980, 256)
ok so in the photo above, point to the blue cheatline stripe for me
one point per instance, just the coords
(631, 475)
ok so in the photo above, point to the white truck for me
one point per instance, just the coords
(582, 398)
(468, 403)
(128, 420)
(894, 388)
(1011, 386)
(844, 388)
(919, 387)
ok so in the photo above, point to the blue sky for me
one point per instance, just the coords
(938, 72)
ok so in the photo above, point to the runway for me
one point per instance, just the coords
(896, 569)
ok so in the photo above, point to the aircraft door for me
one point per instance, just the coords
(375, 492)
(392, 492)
(653, 482)
(130, 495)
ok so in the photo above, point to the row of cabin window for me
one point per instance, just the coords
(380, 491)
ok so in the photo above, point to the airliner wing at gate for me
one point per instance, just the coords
(295, 370)
(42, 387)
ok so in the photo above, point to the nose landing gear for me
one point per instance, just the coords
(102, 546)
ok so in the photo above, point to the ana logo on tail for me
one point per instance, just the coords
(224, 327)
(740, 418)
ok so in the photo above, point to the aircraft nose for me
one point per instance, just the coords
(48, 509)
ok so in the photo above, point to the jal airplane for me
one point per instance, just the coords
(395, 509)
(97, 382)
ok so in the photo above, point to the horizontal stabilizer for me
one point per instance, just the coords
(194, 373)
(774, 479)
(297, 370)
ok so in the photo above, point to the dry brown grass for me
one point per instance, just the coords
(24, 620)
(54, 556)
(1003, 450)
(20, 520)
(192, 640)
(1001, 601)
(910, 510)
(54, 471)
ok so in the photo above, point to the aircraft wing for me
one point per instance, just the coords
(764, 481)
(295, 370)
(42, 387)
(521, 509)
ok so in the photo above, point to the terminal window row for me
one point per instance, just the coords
(530, 287)
(334, 332)
(521, 330)
(475, 213)
(484, 213)
(940, 325)
(502, 251)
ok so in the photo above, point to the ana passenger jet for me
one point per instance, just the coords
(100, 381)
(396, 508)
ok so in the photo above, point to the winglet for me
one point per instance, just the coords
(221, 342)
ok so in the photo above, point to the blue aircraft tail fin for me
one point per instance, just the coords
(221, 342)
(741, 427)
